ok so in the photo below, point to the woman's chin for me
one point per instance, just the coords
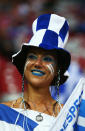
(38, 83)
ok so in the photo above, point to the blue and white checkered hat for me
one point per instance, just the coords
(50, 32)
(50, 25)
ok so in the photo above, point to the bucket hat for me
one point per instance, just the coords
(50, 32)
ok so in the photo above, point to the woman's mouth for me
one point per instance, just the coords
(37, 72)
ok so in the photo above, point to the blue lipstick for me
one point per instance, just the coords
(37, 72)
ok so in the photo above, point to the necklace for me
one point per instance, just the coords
(39, 117)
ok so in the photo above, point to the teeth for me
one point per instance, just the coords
(38, 73)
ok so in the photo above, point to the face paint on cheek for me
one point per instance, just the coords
(51, 68)
(26, 65)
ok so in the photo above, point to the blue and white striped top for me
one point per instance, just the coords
(70, 118)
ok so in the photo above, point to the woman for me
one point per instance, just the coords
(42, 63)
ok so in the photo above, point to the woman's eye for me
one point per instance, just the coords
(32, 57)
(48, 59)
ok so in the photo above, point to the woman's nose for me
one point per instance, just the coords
(38, 63)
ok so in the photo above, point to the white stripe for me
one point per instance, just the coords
(56, 23)
(81, 121)
(60, 42)
(15, 54)
(34, 26)
(66, 39)
(50, 67)
(83, 95)
(66, 74)
(26, 65)
(19, 50)
(4, 126)
(37, 38)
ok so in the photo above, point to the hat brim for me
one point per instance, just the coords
(63, 58)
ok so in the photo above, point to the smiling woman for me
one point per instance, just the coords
(42, 62)
(39, 68)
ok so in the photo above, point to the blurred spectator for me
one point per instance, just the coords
(16, 19)
(10, 82)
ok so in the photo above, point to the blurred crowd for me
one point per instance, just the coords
(16, 19)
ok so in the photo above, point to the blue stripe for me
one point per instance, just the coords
(49, 42)
(82, 108)
(43, 22)
(9, 115)
(79, 128)
(64, 31)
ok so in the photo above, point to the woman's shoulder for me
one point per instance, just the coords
(7, 103)
(13, 103)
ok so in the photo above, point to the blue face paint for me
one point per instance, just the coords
(32, 56)
(49, 62)
(46, 58)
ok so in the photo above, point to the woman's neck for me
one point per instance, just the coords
(38, 95)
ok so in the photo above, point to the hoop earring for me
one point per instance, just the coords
(23, 91)
(57, 84)
(23, 85)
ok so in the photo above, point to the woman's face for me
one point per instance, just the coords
(40, 67)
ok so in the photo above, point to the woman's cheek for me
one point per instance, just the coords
(51, 68)
(26, 64)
